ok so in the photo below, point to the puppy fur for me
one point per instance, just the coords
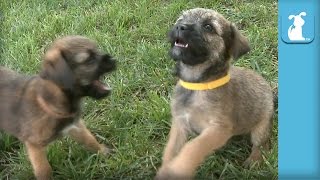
(203, 43)
(37, 109)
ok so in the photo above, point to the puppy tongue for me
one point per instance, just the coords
(102, 86)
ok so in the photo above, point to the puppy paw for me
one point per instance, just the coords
(165, 173)
(251, 162)
(104, 150)
(254, 159)
(43, 173)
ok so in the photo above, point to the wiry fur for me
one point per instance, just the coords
(37, 109)
(244, 105)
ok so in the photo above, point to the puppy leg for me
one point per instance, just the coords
(192, 154)
(177, 138)
(259, 138)
(39, 161)
(82, 135)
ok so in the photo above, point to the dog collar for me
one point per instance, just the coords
(206, 86)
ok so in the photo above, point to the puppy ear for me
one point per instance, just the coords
(56, 69)
(239, 43)
(302, 14)
(291, 16)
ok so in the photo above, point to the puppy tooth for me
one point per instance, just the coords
(107, 88)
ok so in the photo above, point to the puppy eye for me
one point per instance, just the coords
(208, 27)
(90, 60)
(91, 57)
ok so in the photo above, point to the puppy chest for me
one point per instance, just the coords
(195, 118)
(196, 111)
(190, 122)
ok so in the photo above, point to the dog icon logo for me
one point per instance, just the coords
(297, 26)
(295, 30)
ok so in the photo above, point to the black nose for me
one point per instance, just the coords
(183, 27)
(108, 62)
(106, 57)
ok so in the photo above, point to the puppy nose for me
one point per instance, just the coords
(183, 27)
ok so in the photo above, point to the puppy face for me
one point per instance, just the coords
(76, 65)
(200, 35)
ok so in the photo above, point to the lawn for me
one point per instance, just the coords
(135, 119)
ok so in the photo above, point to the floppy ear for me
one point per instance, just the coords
(56, 69)
(291, 16)
(302, 14)
(239, 44)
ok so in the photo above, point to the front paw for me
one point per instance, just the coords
(250, 163)
(166, 173)
(163, 174)
(43, 173)
(104, 150)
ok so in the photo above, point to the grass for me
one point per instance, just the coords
(135, 119)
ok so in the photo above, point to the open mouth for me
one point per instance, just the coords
(97, 89)
(100, 86)
(181, 43)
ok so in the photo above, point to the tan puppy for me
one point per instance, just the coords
(213, 98)
(38, 109)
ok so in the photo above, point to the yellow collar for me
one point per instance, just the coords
(206, 86)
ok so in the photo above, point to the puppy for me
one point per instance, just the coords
(213, 98)
(38, 109)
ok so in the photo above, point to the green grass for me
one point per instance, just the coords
(135, 119)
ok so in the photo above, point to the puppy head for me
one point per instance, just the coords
(75, 64)
(201, 35)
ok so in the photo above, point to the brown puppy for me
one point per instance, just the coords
(38, 109)
(213, 98)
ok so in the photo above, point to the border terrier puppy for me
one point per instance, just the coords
(38, 109)
(213, 98)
